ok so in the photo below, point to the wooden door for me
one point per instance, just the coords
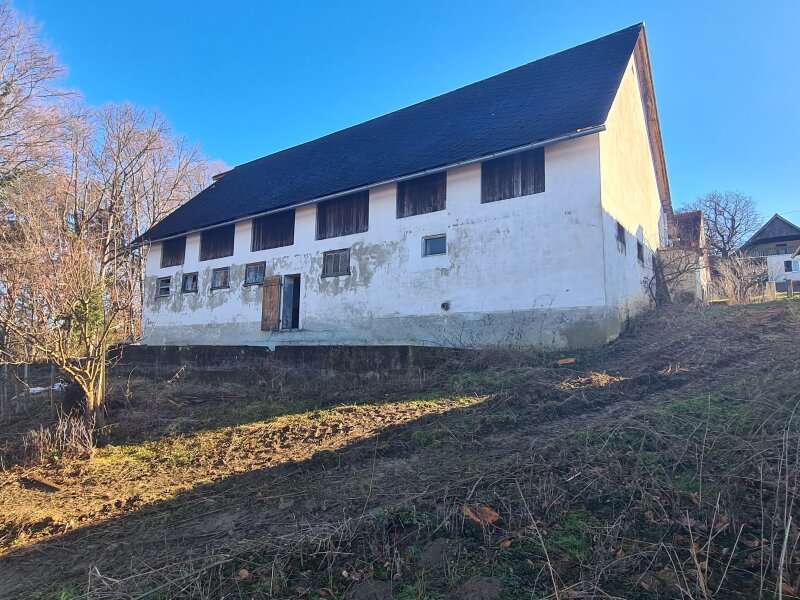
(271, 304)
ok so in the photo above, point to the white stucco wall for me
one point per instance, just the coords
(776, 270)
(523, 270)
(629, 196)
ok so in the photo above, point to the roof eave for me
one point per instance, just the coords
(143, 239)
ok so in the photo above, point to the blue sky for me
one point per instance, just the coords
(244, 79)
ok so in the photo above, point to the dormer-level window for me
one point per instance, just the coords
(511, 176)
(422, 195)
(173, 252)
(343, 216)
(217, 242)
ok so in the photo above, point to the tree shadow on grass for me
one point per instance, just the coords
(235, 512)
(393, 466)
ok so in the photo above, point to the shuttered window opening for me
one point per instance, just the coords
(217, 243)
(343, 216)
(621, 245)
(189, 285)
(254, 273)
(163, 286)
(512, 176)
(221, 278)
(173, 252)
(434, 245)
(422, 195)
(273, 231)
(336, 263)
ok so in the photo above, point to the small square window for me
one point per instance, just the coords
(189, 284)
(621, 245)
(220, 278)
(640, 251)
(336, 263)
(254, 273)
(787, 266)
(434, 245)
(163, 286)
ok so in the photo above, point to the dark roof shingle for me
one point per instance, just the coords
(542, 100)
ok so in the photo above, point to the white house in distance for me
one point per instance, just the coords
(521, 209)
(778, 241)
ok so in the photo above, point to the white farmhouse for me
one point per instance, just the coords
(778, 241)
(521, 209)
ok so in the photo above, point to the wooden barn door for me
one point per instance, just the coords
(271, 304)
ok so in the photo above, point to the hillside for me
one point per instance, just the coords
(664, 465)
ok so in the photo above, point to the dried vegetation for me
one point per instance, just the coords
(663, 466)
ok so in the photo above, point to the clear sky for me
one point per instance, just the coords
(244, 79)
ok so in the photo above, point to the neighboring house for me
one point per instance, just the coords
(522, 209)
(778, 241)
(687, 256)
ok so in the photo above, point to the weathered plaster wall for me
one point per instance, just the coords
(629, 196)
(523, 270)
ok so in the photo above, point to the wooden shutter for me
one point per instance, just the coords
(271, 304)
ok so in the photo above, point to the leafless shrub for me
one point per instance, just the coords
(69, 436)
(741, 280)
(675, 273)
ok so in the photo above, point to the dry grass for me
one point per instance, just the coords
(665, 466)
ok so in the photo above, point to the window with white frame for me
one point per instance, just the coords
(189, 284)
(434, 245)
(254, 273)
(221, 278)
(163, 286)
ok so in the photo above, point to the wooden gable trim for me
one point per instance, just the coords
(756, 239)
(646, 89)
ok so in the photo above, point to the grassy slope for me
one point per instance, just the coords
(661, 466)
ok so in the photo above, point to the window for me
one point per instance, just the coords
(273, 231)
(421, 195)
(173, 251)
(290, 311)
(343, 216)
(221, 278)
(189, 284)
(511, 176)
(621, 245)
(336, 263)
(254, 273)
(791, 265)
(640, 251)
(434, 244)
(163, 286)
(216, 243)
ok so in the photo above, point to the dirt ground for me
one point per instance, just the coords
(479, 479)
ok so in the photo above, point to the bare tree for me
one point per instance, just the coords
(77, 186)
(729, 218)
(31, 115)
(70, 280)
(675, 272)
(741, 280)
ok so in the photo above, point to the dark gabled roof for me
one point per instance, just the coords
(777, 229)
(556, 96)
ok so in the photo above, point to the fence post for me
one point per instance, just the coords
(4, 392)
